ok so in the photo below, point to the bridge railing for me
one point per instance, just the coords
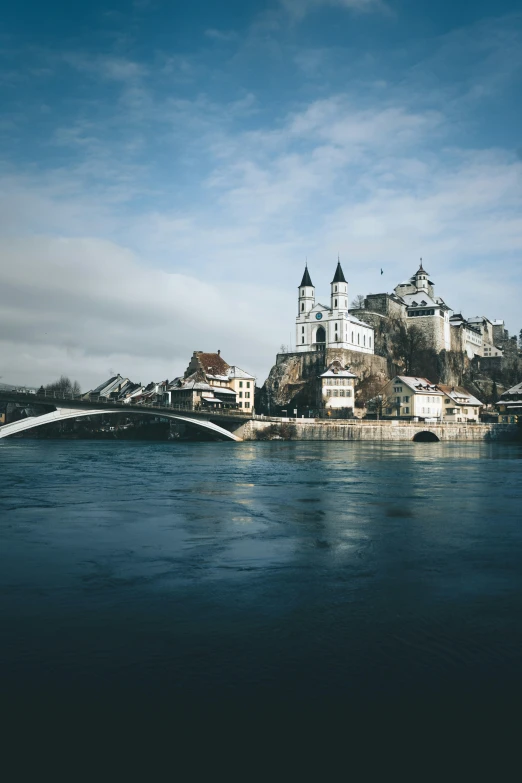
(127, 403)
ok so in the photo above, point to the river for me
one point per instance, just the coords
(182, 573)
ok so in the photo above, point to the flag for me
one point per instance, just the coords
(382, 272)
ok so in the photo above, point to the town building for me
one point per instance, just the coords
(466, 336)
(406, 397)
(209, 382)
(336, 390)
(509, 405)
(320, 327)
(459, 405)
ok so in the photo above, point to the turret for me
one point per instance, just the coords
(306, 298)
(339, 290)
(421, 279)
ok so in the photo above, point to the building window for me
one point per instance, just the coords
(247, 405)
(352, 337)
(335, 289)
(302, 292)
(335, 303)
(302, 306)
(248, 384)
(406, 410)
(364, 339)
(247, 394)
(358, 338)
(405, 399)
(302, 329)
(348, 392)
(302, 339)
(240, 394)
(336, 392)
(240, 384)
(370, 341)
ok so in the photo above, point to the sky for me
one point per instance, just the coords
(168, 167)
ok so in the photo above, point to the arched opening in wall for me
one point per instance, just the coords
(425, 437)
(320, 336)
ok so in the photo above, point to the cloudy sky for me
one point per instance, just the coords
(166, 167)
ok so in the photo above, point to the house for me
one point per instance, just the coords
(509, 405)
(466, 336)
(337, 390)
(459, 404)
(209, 382)
(406, 397)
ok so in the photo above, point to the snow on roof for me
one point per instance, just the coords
(515, 390)
(421, 385)
(459, 395)
(237, 372)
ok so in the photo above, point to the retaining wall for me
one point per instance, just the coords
(312, 429)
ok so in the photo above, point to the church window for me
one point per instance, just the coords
(302, 339)
(335, 303)
(302, 292)
(302, 329)
(302, 306)
(335, 289)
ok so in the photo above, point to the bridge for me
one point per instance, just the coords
(67, 406)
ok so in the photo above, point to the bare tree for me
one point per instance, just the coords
(358, 302)
(64, 386)
(410, 348)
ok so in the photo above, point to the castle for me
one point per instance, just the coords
(414, 303)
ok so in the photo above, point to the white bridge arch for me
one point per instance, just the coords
(62, 414)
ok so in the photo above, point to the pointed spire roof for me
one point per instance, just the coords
(306, 278)
(339, 274)
(421, 270)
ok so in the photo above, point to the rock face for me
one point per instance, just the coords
(292, 382)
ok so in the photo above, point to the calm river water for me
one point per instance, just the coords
(185, 573)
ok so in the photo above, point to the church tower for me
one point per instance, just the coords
(339, 290)
(306, 299)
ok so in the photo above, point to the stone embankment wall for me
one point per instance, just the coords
(313, 429)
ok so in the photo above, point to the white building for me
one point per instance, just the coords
(469, 338)
(427, 312)
(409, 397)
(319, 327)
(337, 388)
(459, 404)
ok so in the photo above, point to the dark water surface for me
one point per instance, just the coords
(285, 572)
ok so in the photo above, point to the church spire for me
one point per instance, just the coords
(339, 274)
(306, 278)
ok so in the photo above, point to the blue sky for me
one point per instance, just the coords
(167, 167)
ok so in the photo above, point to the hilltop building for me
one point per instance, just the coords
(509, 405)
(320, 327)
(414, 303)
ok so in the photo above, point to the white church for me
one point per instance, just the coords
(319, 327)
